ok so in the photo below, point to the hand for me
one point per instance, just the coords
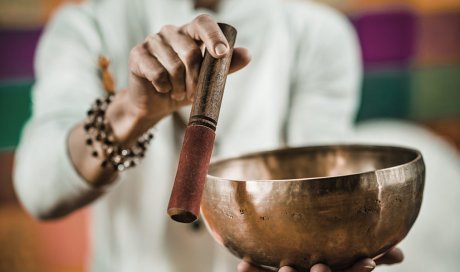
(163, 74)
(164, 68)
(392, 256)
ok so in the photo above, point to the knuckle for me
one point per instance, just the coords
(159, 75)
(135, 51)
(133, 70)
(150, 75)
(148, 39)
(203, 18)
(134, 56)
(191, 56)
(177, 68)
(151, 38)
(166, 29)
(214, 35)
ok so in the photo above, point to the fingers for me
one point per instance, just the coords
(240, 58)
(170, 61)
(188, 52)
(205, 29)
(365, 265)
(320, 268)
(247, 267)
(143, 65)
(394, 255)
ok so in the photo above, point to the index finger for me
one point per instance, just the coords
(205, 29)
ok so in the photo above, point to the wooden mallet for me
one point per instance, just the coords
(184, 203)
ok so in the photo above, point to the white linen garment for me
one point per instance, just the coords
(300, 88)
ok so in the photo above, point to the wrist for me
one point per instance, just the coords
(127, 122)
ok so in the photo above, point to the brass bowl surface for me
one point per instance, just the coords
(302, 206)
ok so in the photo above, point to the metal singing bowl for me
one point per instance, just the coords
(322, 204)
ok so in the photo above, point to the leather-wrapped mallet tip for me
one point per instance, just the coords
(184, 203)
(181, 215)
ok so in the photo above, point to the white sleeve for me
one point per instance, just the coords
(325, 90)
(66, 83)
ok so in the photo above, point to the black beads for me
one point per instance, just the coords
(107, 142)
(196, 225)
(98, 131)
(105, 163)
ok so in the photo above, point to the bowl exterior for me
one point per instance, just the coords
(334, 220)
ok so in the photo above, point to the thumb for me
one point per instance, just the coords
(206, 30)
(240, 58)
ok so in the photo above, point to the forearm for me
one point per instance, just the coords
(55, 173)
(44, 177)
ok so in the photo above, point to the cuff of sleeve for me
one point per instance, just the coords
(75, 182)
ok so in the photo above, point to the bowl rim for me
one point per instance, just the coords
(417, 158)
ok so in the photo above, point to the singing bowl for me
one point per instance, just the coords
(308, 205)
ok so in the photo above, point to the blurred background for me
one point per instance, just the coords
(411, 53)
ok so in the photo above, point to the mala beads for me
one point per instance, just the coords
(99, 131)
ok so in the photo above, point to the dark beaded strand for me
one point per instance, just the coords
(98, 130)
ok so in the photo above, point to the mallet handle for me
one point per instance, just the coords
(184, 203)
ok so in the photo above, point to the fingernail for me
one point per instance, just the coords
(370, 265)
(178, 96)
(220, 49)
(243, 266)
(320, 268)
(286, 269)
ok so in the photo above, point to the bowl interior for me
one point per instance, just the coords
(311, 162)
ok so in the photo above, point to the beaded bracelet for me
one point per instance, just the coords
(99, 130)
